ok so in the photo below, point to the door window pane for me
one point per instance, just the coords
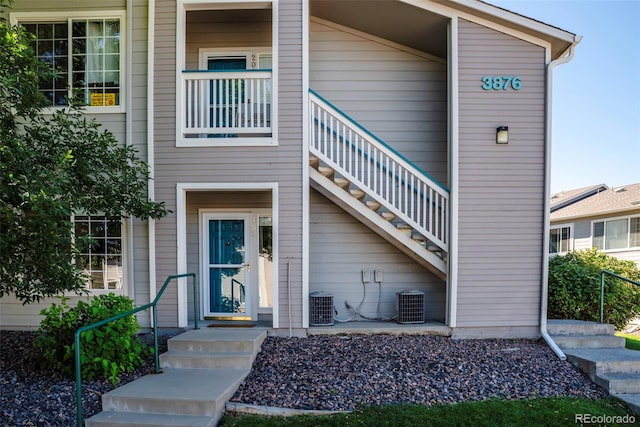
(265, 262)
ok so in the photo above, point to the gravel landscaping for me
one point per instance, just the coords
(30, 396)
(343, 373)
(331, 373)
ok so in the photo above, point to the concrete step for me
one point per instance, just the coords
(588, 341)
(219, 339)
(196, 392)
(633, 400)
(620, 383)
(174, 359)
(599, 361)
(135, 419)
(557, 327)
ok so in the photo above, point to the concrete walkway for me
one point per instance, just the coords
(595, 349)
(201, 371)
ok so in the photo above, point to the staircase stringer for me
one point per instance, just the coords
(377, 224)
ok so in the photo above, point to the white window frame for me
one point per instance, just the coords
(605, 220)
(125, 261)
(29, 17)
(571, 238)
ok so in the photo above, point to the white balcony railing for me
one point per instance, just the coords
(384, 174)
(226, 104)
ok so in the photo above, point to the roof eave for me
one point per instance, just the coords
(628, 209)
(559, 39)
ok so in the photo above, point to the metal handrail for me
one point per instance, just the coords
(151, 305)
(617, 276)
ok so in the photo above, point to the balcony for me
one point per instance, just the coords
(226, 107)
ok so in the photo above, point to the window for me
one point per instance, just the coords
(622, 233)
(265, 261)
(560, 239)
(99, 240)
(86, 54)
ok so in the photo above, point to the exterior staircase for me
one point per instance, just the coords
(201, 371)
(378, 186)
(595, 349)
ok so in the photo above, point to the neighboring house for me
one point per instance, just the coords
(600, 217)
(258, 119)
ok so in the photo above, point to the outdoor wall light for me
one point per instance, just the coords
(502, 135)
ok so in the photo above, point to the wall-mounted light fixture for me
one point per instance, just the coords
(502, 135)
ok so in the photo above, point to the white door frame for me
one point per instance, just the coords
(251, 288)
(181, 237)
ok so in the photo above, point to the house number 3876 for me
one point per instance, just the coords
(501, 82)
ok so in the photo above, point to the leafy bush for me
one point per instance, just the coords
(106, 351)
(574, 288)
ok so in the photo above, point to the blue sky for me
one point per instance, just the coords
(596, 96)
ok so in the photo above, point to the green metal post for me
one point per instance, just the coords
(602, 297)
(196, 306)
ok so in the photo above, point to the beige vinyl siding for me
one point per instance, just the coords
(399, 96)
(137, 72)
(204, 33)
(280, 164)
(340, 248)
(500, 186)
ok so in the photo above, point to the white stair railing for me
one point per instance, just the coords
(226, 103)
(380, 171)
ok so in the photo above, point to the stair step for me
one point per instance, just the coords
(557, 327)
(620, 383)
(326, 171)
(419, 238)
(314, 162)
(357, 193)
(405, 228)
(598, 361)
(588, 341)
(219, 339)
(342, 183)
(198, 392)
(135, 419)
(206, 359)
(373, 205)
(389, 216)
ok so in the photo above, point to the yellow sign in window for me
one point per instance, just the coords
(106, 99)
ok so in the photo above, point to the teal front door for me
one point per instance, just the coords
(226, 266)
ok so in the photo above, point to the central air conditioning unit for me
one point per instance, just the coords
(321, 309)
(410, 307)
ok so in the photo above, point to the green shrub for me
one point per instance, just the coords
(106, 351)
(574, 288)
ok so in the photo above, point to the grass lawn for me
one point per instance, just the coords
(543, 412)
(633, 341)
